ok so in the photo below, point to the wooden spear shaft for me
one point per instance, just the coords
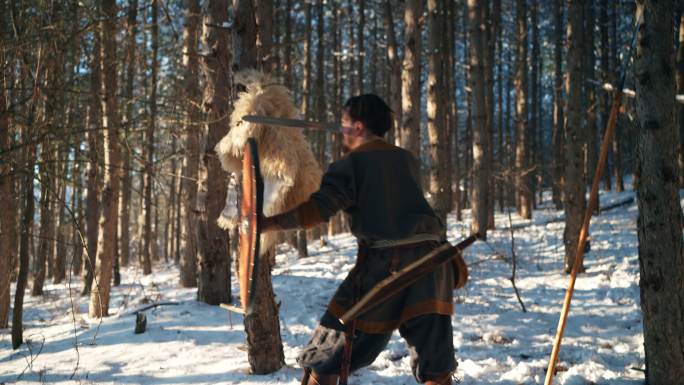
(579, 253)
(593, 198)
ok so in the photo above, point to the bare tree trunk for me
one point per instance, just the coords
(213, 258)
(591, 102)
(469, 114)
(264, 345)
(680, 91)
(177, 234)
(453, 112)
(535, 147)
(25, 233)
(45, 238)
(94, 121)
(60, 211)
(359, 42)
(149, 150)
(558, 118)
(435, 112)
(510, 158)
(661, 262)
(373, 63)
(480, 187)
(617, 139)
(188, 259)
(264, 43)
(171, 211)
(410, 78)
(277, 39)
(498, 165)
(335, 223)
(394, 71)
(351, 70)
(574, 135)
(287, 65)
(607, 77)
(125, 206)
(107, 247)
(489, 46)
(8, 202)
(320, 104)
(306, 76)
(307, 109)
(524, 195)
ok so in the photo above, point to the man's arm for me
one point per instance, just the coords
(305, 215)
(335, 193)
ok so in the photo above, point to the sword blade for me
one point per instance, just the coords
(296, 123)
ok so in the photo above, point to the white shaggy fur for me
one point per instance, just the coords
(288, 165)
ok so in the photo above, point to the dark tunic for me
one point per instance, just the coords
(378, 186)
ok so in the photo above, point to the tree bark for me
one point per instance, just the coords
(574, 135)
(25, 234)
(535, 146)
(307, 109)
(213, 259)
(191, 134)
(320, 105)
(410, 78)
(480, 187)
(558, 118)
(680, 91)
(524, 195)
(435, 112)
(264, 345)
(264, 27)
(46, 219)
(107, 247)
(394, 71)
(453, 113)
(590, 94)
(8, 201)
(607, 77)
(617, 139)
(467, 153)
(660, 217)
(498, 165)
(126, 185)
(93, 122)
(59, 272)
(360, 31)
(245, 40)
(489, 47)
(148, 151)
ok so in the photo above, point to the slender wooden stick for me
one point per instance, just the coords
(593, 198)
(579, 253)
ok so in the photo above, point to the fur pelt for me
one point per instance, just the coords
(290, 170)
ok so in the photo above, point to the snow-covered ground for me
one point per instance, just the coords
(496, 342)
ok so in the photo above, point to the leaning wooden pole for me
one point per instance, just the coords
(593, 199)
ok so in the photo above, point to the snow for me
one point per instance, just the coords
(496, 342)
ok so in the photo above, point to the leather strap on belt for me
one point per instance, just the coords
(418, 238)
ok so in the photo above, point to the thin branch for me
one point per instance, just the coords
(513, 257)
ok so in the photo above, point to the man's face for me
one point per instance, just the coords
(351, 132)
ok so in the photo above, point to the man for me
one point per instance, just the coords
(378, 186)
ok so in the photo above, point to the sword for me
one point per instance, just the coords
(296, 123)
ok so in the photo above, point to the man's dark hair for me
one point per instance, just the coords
(372, 111)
